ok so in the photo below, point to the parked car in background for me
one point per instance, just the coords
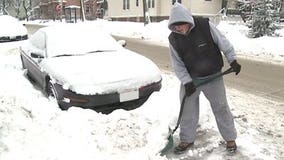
(11, 29)
(82, 66)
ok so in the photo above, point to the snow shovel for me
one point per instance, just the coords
(170, 143)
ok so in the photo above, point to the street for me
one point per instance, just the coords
(259, 78)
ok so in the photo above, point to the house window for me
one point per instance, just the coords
(174, 1)
(151, 3)
(137, 3)
(87, 9)
(126, 4)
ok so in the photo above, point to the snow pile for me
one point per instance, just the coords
(268, 49)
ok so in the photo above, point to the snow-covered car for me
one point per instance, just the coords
(11, 29)
(82, 66)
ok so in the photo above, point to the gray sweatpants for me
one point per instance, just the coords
(216, 94)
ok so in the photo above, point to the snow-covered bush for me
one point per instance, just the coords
(265, 18)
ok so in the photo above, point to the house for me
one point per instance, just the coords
(95, 8)
(69, 10)
(132, 10)
(57, 9)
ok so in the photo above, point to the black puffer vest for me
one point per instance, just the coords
(197, 50)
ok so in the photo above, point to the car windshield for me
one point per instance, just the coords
(64, 41)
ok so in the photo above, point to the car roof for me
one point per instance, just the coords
(75, 38)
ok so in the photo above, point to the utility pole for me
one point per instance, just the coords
(82, 10)
(61, 11)
(145, 9)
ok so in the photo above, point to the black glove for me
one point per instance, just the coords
(236, 66)
(189, 88)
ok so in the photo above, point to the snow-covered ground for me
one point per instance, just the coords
(32, 127)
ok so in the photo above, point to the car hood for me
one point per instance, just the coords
(11, 27)
(102, 72)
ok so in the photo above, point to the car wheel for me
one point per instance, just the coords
(51, 90)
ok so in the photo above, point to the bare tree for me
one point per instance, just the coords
(17, 5)
(27, 5)
(4, 4)
(282, 9)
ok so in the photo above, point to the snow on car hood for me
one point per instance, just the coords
(10, 26)
(102, 72)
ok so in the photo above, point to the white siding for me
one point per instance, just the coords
(205, 7)
(162, 8)
(115, 9)
(166, 6)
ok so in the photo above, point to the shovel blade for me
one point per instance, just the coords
(168, 146)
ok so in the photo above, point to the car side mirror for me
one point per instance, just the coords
(35, 55)
(122, 42)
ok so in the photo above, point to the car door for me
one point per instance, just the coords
(34, 57)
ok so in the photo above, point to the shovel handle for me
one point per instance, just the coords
(230, 70)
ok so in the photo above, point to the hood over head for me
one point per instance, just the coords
(180, 13)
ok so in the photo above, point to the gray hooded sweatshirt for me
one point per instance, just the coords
(180, 13)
